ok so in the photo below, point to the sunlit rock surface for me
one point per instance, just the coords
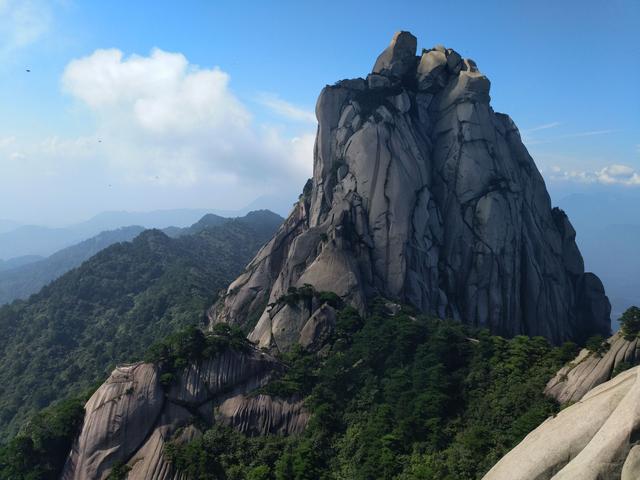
(593, 439)
(421, 193)
(589, 369)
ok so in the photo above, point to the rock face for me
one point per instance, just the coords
(423, 194)
(593, 439)
(588, 369)
(131, 417)
(262, 414)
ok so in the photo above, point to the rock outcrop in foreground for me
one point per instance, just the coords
(590, 369)
(421, 193)
(131, 417)
(593, 439)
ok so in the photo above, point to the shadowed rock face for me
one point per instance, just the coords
(423, 194)
(131, 417)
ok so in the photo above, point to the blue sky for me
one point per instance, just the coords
(566, 71)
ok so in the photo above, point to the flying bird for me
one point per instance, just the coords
(28, 71)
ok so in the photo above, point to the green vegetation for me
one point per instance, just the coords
(630, 323)
(597, 344)
(111, 308)
(399, 397)
(306, 293)
(119, 472)
(41, 448)
(223, 453)
(30, 278)
(621, 367)
(191, 344)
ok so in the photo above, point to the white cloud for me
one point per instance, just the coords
(286, 109)
(22, 23)
(159, 117)
(166, 134)
(546, 126)
(532, 141)
(587, 134)
(614, 174)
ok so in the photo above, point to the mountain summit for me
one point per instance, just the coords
(422, 194)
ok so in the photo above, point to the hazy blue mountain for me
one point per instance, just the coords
(7, 225)
(183, 217)
(280, 205)
(25, 280)
(208, 220)
(20, 240)
(44, 241)
(24, 276)
(18, 262)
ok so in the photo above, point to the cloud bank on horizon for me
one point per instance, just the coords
(162, 122)
(158, 129)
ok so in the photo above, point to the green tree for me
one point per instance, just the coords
(630, 323)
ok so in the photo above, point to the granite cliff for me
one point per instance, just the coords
(133, 415)
(421, 193)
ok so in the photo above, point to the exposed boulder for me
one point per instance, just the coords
(590, 369)
(318, 329)
(132, 416)
(424, 195)
(399, 57)
(119, 416)
(593, 439)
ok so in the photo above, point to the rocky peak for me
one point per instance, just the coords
(421, 193)
(399, 57)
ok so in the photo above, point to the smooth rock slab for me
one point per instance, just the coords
(119, 416)
(588, 369)
(593, 439)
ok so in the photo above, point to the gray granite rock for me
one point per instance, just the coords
(131, 417)
(263, 415)
(318, 329)
(399, 57)
(593, 439)
(590, 369)
(426, 197)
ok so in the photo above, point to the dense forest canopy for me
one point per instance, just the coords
(392, 397)
(69, 336)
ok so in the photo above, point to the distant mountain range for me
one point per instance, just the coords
(24, 276)
(34, 241)
(117, 303)
(23, 280)
(43, 241)
(8, 225)
(18, 262)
